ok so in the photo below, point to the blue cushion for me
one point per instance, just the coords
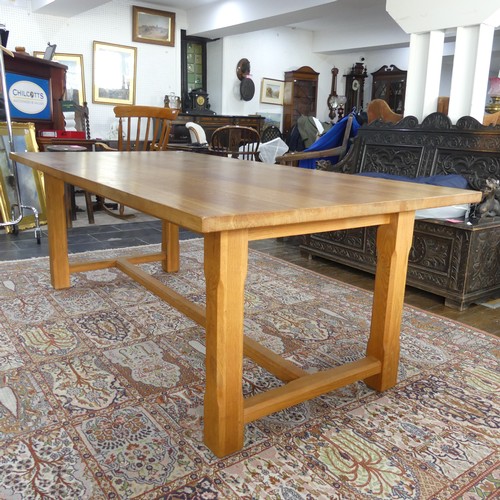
(451, 180)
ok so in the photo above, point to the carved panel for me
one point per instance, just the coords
(459, 261)
(485, 261)
(395, 160)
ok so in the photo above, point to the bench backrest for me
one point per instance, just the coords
(434, 147)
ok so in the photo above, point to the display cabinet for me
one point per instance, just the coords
(389, 84)
(300, 96)
(43, 70)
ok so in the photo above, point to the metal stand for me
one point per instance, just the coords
(17, 209)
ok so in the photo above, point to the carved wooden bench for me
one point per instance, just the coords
(458, 261)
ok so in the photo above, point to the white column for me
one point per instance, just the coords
(424, 73)
(469, 79)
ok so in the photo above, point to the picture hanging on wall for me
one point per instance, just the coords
(271, 91)
(153, 26)
(114, 69)
(75, 80)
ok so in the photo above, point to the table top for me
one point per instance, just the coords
(208, 193)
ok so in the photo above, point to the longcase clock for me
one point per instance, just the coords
(355, 87)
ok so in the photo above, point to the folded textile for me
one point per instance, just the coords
(331, 139)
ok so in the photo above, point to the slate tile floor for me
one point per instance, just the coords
(83, 239)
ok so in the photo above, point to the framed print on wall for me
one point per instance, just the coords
(75, 80)
(153, 26)
(272, 91)
(113, 73)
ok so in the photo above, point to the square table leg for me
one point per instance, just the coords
(226, 264)
(57, 229)
(170, 247)
(393, 246)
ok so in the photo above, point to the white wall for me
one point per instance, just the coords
(270, 52)
(158, 67)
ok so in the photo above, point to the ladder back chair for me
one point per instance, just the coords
(236, 141)
(140, 128)
(144, 128)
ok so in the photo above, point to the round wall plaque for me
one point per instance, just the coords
(242, 68)
(247, 89)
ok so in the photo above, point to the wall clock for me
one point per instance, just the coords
(332, 98)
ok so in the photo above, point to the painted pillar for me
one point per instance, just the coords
(471, 63)
(424, 73)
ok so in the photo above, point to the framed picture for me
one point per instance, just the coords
(31, 185)
(75, 79)
(153, 26)
(113, 70)
(272, 91)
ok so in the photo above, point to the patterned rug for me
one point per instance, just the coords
(101, 393)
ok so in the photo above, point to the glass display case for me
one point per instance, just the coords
(389, 84)
(300, 96)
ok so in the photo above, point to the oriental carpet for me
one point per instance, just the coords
(101, 393)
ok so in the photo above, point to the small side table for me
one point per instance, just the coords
(70, 189)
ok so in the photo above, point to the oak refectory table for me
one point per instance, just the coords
(231, 202)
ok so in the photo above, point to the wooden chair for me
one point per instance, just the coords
(140, 128)
(144, 128)
(236, 141)
(197, 133)
(378, 109)
(270, 133)
(293, 158)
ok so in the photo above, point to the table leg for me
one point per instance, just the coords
(393, 246)
(226, 263)
(58, 236)
(170, 246)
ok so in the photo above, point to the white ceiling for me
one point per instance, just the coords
(339, 25)
(330, 16)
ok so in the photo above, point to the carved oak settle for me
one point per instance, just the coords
(458, 261)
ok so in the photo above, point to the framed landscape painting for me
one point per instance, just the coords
(153, 26)
(272, 91)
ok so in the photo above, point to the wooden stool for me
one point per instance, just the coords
(70, 189)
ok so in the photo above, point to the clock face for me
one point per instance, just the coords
(355, 85)
(200, 100)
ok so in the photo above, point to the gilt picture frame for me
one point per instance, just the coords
(113, 73)
(31, 186)
(153, 26)
(75, 77)
(271, 91)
